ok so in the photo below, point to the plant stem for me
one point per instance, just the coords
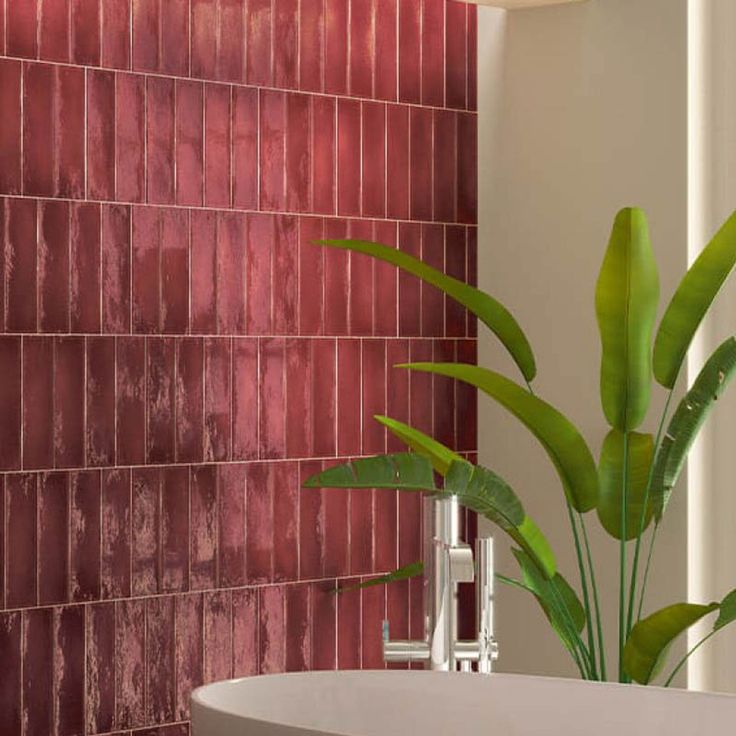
(646, 571)
(681, 663)
(622, 563)
(642, 520)
(594, 585)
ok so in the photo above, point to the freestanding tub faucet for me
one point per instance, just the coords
(449, 561)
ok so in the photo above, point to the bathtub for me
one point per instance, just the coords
(403, 703)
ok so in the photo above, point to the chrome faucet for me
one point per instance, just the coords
(449, 561)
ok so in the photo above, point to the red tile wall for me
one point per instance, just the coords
(176, 356)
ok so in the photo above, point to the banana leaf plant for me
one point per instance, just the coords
(629, 487)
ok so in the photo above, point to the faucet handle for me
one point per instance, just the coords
(462, 568)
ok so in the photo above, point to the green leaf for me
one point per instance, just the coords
(687, 420)
(650, 639)
(440, 456)
(489, 311)
(626, 306)
(559, 437)
(690, 303)
(412, 570)
(610, 470)
(727, 614)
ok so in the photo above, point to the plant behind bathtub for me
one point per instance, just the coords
(629, 488)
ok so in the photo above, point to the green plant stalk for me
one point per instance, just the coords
(642, 519)
(594, 586)
(692, 651)
(622, 563)
(644, 581)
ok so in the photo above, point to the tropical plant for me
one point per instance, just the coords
(630, 486)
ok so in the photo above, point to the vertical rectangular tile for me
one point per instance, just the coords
(285, 43)
(189, 654)
(160, 153)
(397, 612)
(285, 265)
(204, 528)
(385, 71)
(466, 400)
(373, 613)
(258, 30)
(115, 534)
(174, 37)
(231, 49)
(299, 378)
(69, 660)
(85, 268)
(69, 125)
(100, 671)
(337, 551)
(259, 523)
(115, 268)
(456, 55)
(272, 108)
(115, 33)
(433, 304)
(130, 135)
(374, 395)
(20, 250)
(324, 628)
(53, 31)
(204, 38)
(218, 641)
(20, 28)
(189, 142)
(100, 434)
(385, 530)
(85, 32)
(272, 401)
(245, 148)
(39, 86)
(361, 282)
(204, 271)
(174, 317)
(130, 670)
(472, 273)
(38, 402)
(11, 684)
(467, 168)
(189, 399)
(245, 632)
(311, 277)
(217, 120)
(397, 161)
(217, 399)
(231, 480)
(445, 167)
(245, 399)
(53, 539)
(311, 45)
(311, 525)
(349, 633)
(145, 29)
(336, 47)
(323, 155)
(410, 300)
(410, 51)
(231, 273)
(472, 56)
(130, 382)
(348, 157)
(348, 397)
(433, 53)
(285, 480)
(362, 47)
(385, 284)
(21, 565)
(10, 402)
(361, 531)
(10, 134)
(298, 628)
(146, 521)
(272, 630)
(337, 281)
(455, 265)
(68, 417)
(53, 266)
(374, 159)
(175, 529)
(298, 153)
(38, 673)
(421, 163)
(324, 397)
(420, 392)
(444, 396)
(397, 389)
(160, 667)
(160, 400)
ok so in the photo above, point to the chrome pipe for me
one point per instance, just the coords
(484, 579)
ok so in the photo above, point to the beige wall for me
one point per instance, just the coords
(583, 110)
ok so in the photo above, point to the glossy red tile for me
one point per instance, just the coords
(204, 271)
(285, 43)
(471, 58)
(20, 28)
(397, 613)
(348, 157)
(298, 153)
(433, 52)
(420, 387)
(324, 626)
(130, 400)
(373, 613)
(298, 628)
(38, 673)
(145, 33)
(53, 30)
(466, 400)
(204, 514)
(324, 397)
(174, 259)
(38, 402)
(69, 674)
(410, 293)
(348, 629)
(10, 402)
(445, 166)
(385, 530)
(160, 400)
(311, 277)
(130, 667)
(175, 529)
(115, 268)
(204, 38)
(299, 379)
(337, 284)
(348, 397)
(231, 273)
(385, 284)
(397, 161)
(115, 33)
(21, 563)
(245, 148)
(189, 142)
(115, 534)
(189, 399)
(53, 266)
(420, 163)
(433, 303)
(362, 46)
(160, 133)
(385, 71)
(39, 87)
(336, 542)
(84, 275)
(323, 155)
(173, 36)
(85, 32)
(68, 418)
(69, 124)
(361, 281)
(244, 426)
(259, 523)
(231, 508)
(467, 168)
(85, 531)
(456, 49)
(410, 531)
(455, 265)
(245, 632)
(231, 49)
(410, 51)
(311, 525)
(53, 543)
(285, 479)
(272, 108)
(361, 532)
(217, 399)
(217, 120)
(311, 45)
(189, 650)
(336, 46)
(100, 433)
(472, 270)
(397, 389)
(285, 264)
(272, 629)
(130, 137)
(100, 675)
(258, 39)
(160, 660)
(146, 523)
(272, 398)
(374, 159)
(10, 134)
(374, 395)
(444, 396)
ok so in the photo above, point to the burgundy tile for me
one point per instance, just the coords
(20, 29)
(323, 155)
(272, 107)
(337, 286)
(68, 417)
(299, 380)
(146, 518)
(146, 268)
(69, 124)
(259, 523)
(100, 434)
(38, 672)
(472, 57)
(361, 282)
(20, 251)
(258, 33)
(174, 271)
(421, 163)
(386, 56)
(455, 265)
(456, 55)
(39, 84)
(362, 47)
(416, 611)
(85, 535)
(324, 397)
(69, 670)
(311, 277)
(373, 613)
(204, 527)
(84, 287)
(397, 161)
(10, 402)
(298, 153)
(175, 530)
(21, 571)
(146, 24)
(115, 268)
(217, 119)
(245, 399)
(115, 33)
(231, 49)
(85, 32)
(160, 667)
(174, 36)
(410, 35)
(115, 533)
(410, 530)
(374, 159)
(445, 166)
(10, 686)
(160, 135)
(245, 148)
(231, 516)
(285, 265)
(218, 642)
(397, 613)
(361, 532)
(189, 399)
(444, 396)
(311, 525)
(160, 400)
(348, 157)
(271, 374)
(311, 45)
(420, 407)
(373, 395)
(189, 654)
(38, 402)
(204, 271)
(231, 273)
(130, 133)
(410, 300)
(385, 283)
(324, 625)
(204, 38)
(397, 388)
(298, 628)
(433, 52)
(100, 135)
(130, 667)
(285, 479)
(466, 400)
(53, 539)
(348, 397)
(217, 399)
(2, 30)
(285, 43)
(433, 303)
(189, 142)
(245, 632)
(337, 551)
(10, 134)
(100, 674)
(131, 400)
(472, 273)
(336, 46)
(348, 630)
(53, 266)
(467, 168)
(272, 629)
